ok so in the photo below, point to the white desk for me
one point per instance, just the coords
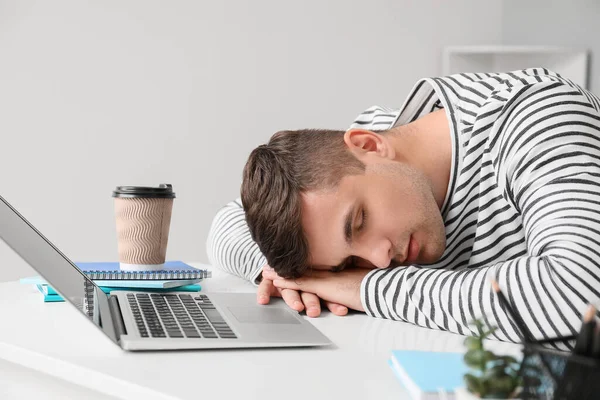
(55, 339)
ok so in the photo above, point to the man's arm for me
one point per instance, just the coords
(230, 245)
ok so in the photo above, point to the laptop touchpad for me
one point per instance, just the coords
(260, 315)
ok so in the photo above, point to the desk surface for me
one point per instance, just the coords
(55, 339)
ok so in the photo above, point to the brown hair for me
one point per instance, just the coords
(275, 176)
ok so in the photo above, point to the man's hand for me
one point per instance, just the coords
(295, 299)
(338, 287)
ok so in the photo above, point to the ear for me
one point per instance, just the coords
(363, 142)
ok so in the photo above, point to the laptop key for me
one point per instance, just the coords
(213, 316)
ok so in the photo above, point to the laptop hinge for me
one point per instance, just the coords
(117, 317)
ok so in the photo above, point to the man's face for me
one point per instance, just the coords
(385, 217)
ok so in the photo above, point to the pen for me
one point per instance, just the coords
(585, 339)
(526, 334)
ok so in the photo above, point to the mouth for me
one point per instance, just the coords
(412, 251)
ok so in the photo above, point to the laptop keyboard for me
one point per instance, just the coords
(178, 316)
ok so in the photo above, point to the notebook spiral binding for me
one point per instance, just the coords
(148, 275)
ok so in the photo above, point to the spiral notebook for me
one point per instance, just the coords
(173, 270)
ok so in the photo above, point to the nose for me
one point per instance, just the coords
(377, 252)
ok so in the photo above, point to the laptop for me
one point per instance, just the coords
(136, 320)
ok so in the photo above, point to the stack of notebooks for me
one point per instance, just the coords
(176, 275)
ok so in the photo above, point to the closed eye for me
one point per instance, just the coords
(348, 263)
(359, 227)
(338, 268)
(363, 219)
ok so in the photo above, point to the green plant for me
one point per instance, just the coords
(493, 376)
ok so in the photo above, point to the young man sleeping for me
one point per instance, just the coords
(410, 213)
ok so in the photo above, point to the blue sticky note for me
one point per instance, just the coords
(424, 372)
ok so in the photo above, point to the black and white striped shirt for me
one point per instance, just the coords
(523, 207)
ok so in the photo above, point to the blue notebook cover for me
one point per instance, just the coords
(50, 295)
(424, 373)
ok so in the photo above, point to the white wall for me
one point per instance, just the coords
(106, 93)
(573, 23)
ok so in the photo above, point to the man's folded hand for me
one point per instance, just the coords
(295, 299)
(342, 288)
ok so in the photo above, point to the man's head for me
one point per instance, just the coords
(330, 199)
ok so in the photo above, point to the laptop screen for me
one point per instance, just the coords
(55, 268)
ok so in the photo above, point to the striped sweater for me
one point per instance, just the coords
(523, 207)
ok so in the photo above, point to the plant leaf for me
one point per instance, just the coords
(496, 371)
(479, 325)
(502, 385)
(473, 384)
(475, 359)
(473, 343)
(488, 356)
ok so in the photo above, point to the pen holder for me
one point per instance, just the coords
(558, 375)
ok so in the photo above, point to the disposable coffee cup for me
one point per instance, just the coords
(143, 219)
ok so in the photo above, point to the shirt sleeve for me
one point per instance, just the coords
(230, 246)
(552, 177)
